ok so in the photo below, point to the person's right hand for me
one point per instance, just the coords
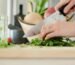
(71, 3)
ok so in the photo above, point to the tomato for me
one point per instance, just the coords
(9, 40)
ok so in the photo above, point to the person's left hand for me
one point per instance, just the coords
(60, 28)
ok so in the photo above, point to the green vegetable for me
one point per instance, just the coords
(58, 41)
(4, 44)
(40, 6)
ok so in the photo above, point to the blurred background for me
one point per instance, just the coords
(10, 8)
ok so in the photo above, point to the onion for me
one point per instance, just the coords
(33, 18)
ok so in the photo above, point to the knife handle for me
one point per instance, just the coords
(61, 10)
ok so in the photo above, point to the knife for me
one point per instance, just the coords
(58, 15)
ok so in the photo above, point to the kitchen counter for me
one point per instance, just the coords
(38, 52)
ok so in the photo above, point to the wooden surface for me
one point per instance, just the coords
(35, 52)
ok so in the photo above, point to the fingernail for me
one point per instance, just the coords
(65, 11)
(46, 38)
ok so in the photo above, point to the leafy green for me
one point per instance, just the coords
(53, 42)
(4, 44)
(40, 6)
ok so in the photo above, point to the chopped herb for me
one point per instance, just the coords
(58, 41)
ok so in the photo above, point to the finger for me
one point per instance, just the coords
(50, 35)
(71, 10)
(60, 4)
(68, 7)
(46, 30)
(43, 29)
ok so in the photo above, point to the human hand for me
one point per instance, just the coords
(67, 9)
(60, 28)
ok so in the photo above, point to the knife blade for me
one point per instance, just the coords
(49, 20)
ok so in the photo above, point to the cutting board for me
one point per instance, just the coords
(38, 52)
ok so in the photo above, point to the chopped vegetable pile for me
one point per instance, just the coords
(53, 42)
(59, 41)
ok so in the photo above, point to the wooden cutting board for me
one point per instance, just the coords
(37, 52)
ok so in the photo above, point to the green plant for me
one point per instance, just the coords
(40, 6)
(59, 41)
(4, 44)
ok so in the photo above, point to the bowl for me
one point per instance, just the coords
(26, 27)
